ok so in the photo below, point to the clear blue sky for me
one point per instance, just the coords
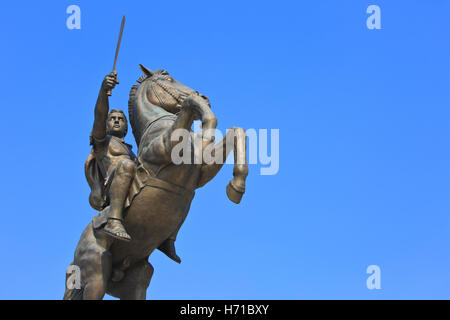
(364, 143)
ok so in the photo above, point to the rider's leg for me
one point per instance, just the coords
(120, 186)
(118, 192)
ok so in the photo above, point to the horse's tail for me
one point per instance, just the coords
(73, 294)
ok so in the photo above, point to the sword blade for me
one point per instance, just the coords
(118, 43)
(117, 48)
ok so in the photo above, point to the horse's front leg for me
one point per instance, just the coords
(159, 149)
(214, 158)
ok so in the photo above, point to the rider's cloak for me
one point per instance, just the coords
(95, 180)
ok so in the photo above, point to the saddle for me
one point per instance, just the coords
(142, 178)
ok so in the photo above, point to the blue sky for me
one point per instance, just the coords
(363, 116)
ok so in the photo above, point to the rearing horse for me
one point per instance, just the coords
(160, 196)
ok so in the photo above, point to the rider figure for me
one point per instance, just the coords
(115, 160)
(111, 167)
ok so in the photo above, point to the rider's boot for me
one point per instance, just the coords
(168, 248)
(115, 229)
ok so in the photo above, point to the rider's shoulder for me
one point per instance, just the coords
(99, 144)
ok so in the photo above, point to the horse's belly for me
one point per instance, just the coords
(152, 217)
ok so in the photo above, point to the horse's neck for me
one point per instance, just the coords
(147, 116)
(145, 113)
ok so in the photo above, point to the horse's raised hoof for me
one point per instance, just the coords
(115, 229)
(233, 193)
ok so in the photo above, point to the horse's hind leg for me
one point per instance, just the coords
(97, 276)
(135, 282)
(93, 259)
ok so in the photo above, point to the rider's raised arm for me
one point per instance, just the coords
(102, 107)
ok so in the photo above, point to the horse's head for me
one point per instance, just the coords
(157, 94)
(164, 91)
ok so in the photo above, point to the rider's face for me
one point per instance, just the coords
(116, 124)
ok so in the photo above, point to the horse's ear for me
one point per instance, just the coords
(146, 71)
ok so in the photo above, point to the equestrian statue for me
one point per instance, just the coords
(142, 200)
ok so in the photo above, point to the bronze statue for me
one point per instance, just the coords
(144, 200)
(111, 165)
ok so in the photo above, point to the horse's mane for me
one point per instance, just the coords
(131, 109)
(131, 99)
